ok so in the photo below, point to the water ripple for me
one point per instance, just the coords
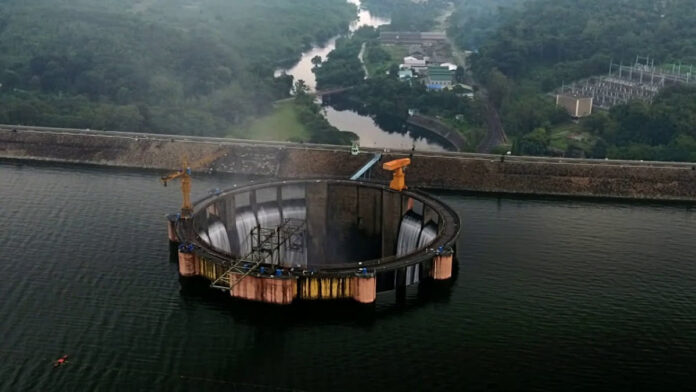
(563, 295)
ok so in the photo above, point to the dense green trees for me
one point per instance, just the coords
(551, 41)
(533, 143)
(383, 96)
(665, 130)
(389, 100)
(156, 65)
(342, 67)
(309, 114)
(539, 44)
(408, 15)
(473, 21)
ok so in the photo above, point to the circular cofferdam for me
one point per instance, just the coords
(317, 239)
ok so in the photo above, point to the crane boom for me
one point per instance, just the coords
(184, 174)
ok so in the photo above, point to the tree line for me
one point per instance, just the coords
(540, 44)
(156, 66)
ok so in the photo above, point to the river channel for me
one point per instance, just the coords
(549, 295)
(371, 135)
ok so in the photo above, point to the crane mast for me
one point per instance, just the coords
(184, 175)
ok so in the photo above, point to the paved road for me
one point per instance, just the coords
(361, 57)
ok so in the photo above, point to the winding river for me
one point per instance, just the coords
(371, 135)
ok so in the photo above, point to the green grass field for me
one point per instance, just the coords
(397, 53)
(281, 125)
(568, 133)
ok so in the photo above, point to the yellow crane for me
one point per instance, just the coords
(398, 182)
(184, 174)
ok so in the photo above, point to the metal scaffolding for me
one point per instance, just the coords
(267, 247)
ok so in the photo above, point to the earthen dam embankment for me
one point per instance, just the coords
(448, 171)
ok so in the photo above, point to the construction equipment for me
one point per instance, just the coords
(398, 182)
(185, 175)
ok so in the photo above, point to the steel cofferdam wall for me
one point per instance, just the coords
(450, 171)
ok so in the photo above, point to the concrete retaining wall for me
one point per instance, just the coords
(450, 171)
(439, 128)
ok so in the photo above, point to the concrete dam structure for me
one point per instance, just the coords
(324, 239)
(661, 181)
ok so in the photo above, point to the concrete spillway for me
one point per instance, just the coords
(316, 239)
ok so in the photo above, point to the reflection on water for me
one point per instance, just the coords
(303, 69)
(371, 135)
(549, 294)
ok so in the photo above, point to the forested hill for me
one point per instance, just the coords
(539, 44)
(183, 66)
(475, 20)
(551, 41)
(408, 15)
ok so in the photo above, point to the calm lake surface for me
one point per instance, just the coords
(561, 295)
(371, 135)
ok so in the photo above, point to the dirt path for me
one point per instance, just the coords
(495, 135)
(361, 57)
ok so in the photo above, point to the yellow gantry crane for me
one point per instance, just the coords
(184, 174)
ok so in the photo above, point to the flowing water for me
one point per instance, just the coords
(409, 230)
(294, 252)
(204, 236)
(549, 295)
(269, 216)
(217, 237)
(246, 221)
(427, 235)
(413, 235)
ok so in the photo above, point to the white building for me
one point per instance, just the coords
(414, 63)
(450, 66)
(406, 74)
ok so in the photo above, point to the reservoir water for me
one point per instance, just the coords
(549, 294)
(371, 135)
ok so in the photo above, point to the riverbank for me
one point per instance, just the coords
(439, 128)
(445, 171)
